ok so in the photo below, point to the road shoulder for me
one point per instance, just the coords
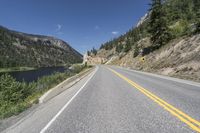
(12, 123)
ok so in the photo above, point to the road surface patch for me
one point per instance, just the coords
(66, 105)
(191, 122)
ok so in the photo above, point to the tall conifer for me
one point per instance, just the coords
(158, 24)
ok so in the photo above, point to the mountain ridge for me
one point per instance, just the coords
(38, 46)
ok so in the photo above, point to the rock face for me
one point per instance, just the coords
(92, 60)
(143, 19)
(21, 49)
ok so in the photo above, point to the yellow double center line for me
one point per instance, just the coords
(192, 123)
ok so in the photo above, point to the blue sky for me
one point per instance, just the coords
(82, 23)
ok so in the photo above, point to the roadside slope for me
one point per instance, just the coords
(165, 41)
(180, 58)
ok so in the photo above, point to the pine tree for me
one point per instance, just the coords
(197, 11)
(127, 47)
(94, 51)
(102, 46)
(135, 51)
(119, 48)
(158, 24)
(88, 53)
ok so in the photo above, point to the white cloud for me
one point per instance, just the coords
(58, 27)
(115, 32)
(58, 30)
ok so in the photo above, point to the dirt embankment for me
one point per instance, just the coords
(180, 58)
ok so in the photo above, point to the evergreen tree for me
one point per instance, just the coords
(94, 51)
(127, 47)
(197, 11)
(158, 24)
(88, 53)
(119, 48)
(135, 51)
(102, 46)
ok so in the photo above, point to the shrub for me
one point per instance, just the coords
(13, 95)
(78, 68)
(135, 51)
(180, 28)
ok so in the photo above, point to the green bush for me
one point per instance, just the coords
(47, 82)
(13, 95)
(12, 91)
(78, 68)
(180, 28)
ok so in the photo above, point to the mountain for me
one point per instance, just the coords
(21, 49)
(178, 57)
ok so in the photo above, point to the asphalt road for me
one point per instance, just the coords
(116, 100)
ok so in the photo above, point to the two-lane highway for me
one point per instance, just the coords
(116, 100)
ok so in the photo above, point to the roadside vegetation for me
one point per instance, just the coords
(16, 96)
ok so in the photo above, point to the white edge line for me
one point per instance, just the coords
(66, 105)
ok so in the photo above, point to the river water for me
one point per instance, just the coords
(33, 75)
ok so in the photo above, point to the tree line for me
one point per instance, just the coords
(167, 20)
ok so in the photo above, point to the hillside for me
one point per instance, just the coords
(178, 55)
(20, 49)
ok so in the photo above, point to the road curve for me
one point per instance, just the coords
(116, 100)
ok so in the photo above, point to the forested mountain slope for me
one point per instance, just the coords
(19, 49)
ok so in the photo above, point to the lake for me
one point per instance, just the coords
(33, 75)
